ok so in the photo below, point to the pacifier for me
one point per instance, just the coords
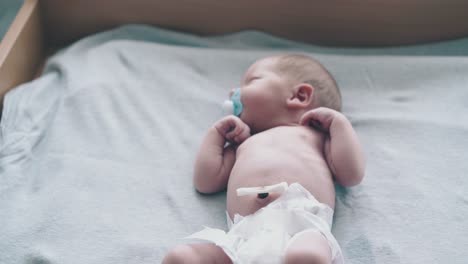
(263, 191)
(234, 105)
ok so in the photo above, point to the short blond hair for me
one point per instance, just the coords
(304, 69)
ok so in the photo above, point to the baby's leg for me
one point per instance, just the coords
(309, 247)
(197, 254)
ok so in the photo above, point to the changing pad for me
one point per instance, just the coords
(96, 155)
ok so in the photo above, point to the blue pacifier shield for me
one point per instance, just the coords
(236, 100)
(234, 105)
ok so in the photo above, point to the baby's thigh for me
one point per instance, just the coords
(196, 254)
(308, 247)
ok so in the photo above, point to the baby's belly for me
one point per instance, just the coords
(313, 176)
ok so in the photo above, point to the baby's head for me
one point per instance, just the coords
(301, 69)
(277, 90)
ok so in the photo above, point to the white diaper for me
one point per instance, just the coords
(264, 236)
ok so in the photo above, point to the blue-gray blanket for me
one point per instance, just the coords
(96, 156)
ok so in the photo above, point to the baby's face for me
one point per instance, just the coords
(263, 95)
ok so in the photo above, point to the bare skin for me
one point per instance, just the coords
(287, 146)
(266, 159)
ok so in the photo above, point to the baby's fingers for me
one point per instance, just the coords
(233, 129)
(321, 118)
(226, 125)
(243, 135)
(223, 128)
(233, 133)
(311, 118)
(239, 135)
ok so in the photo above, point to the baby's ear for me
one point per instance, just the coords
(302, 96)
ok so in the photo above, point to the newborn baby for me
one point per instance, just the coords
(279, 159)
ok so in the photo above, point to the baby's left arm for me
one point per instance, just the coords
(342, 151)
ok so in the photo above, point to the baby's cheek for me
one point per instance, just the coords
(256, 104)
(255, 100)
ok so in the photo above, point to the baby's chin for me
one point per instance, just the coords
(258, 124)
(252, 125)
(257, 128)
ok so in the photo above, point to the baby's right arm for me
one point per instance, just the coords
(214, 161)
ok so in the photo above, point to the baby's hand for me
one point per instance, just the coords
(233, 129)
(320, 118)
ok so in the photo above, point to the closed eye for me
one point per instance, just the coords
(253, 79)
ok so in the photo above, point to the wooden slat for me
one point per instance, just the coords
(21, 50)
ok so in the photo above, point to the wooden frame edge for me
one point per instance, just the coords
(22, 48)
